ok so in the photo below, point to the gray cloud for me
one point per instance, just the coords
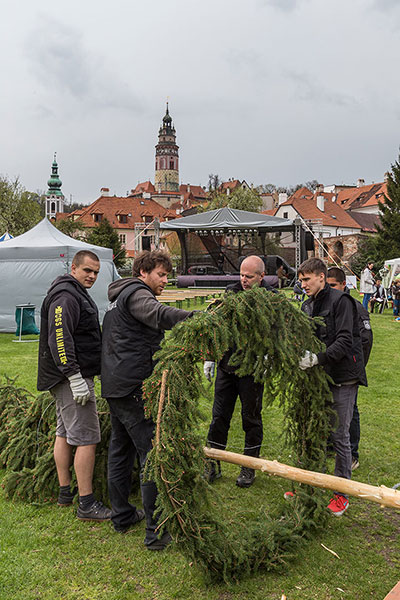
(311, 90)
(283, 5)
(385, 5)
(62, 66)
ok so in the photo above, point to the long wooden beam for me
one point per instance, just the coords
(382, 495)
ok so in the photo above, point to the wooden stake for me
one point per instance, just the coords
(382, 495)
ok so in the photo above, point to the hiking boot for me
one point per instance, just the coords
(96, 512)
(338, 505)
(212, 470)
(161, 543)
(139, 516)
(66, 498)
(354, 464)
(246, 477)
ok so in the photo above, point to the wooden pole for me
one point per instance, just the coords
(382, 495)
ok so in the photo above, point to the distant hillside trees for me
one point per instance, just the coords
(104, 235)
(388, 238)
(20, 210)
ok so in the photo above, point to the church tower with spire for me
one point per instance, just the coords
(167, 158)
(54, 195)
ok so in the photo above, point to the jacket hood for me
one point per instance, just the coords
(116, 287)
(61, 279)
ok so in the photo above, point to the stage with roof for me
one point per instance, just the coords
(239, 231)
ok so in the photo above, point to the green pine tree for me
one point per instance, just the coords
(388, 239)
(104, 235)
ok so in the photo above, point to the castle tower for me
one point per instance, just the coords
(167, 158)
(54, 195)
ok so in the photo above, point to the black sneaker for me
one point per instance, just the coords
(246, 477)
(66, 498)
(96, 512)
(139, 516)
(212, 470)
(161, 543)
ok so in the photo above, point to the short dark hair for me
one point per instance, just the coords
(313, 265)
(81, 255)
(337, 273)
(148, 260)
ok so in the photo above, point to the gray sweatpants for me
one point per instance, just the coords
(343, 405)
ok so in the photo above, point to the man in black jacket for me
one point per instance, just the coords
(337, 279)
(228, 386)
(69, 357)
(133, 328)
(342, 360)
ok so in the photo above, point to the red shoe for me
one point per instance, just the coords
(289, 495)
(338, 505)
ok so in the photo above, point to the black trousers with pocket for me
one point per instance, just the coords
(228, 387)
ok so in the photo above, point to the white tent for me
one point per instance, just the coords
(394, 269)
(31, 261)
(6, 236)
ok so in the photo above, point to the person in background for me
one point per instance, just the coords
(337, 280)
(396, 297)
(378, 296)
(342, 360)
(69, 358)
(367, 283)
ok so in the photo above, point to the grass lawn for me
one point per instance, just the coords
(46, 553)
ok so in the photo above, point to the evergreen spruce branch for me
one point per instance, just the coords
(257, 324)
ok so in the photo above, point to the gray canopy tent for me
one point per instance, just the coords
(211, 226)
(31, 261)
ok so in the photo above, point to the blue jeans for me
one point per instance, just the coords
(131, 436)
(396, 307)
(366, 299)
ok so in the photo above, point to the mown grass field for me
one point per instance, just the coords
(46, 553)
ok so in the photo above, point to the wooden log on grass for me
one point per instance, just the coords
(382, 495)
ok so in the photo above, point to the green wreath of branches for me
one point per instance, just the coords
(270, 336)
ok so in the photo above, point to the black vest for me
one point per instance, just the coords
(351, 366)
(87, 336)
(128, 347)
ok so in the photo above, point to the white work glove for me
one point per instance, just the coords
(209, 369)
(79, 388)
(309, 360)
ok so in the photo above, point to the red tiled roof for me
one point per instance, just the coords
(196, 190)
(269, 212)
(134, 208)
(230, 184)
(367, 195)
(367, 221)
(302, 192)
(145, 186)
(333, 214)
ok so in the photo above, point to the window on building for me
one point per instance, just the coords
(285, 215)
(123, 218)
(171, 164)
(122, 238)
(148, 219)
(97, 217)
(53, 207)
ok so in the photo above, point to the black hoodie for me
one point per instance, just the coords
(70, 337)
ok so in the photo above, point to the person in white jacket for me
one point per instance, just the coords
(367, 284)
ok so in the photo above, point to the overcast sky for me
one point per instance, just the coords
(271, 91)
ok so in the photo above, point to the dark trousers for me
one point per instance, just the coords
(343, 405)
(227, 388)
(355, 431)
(131, 436)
